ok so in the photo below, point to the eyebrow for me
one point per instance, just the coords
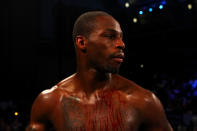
(114, 31)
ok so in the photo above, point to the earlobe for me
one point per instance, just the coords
(81, 43)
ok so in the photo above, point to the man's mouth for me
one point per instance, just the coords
(119, 60)
(118, 57)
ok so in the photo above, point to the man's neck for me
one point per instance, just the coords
(91, 80)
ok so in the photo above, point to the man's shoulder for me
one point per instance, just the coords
(55, 92)
(148, 104)
(132, 88)
(43, 105)
(47, 97)
(58, 89)
(146, 99)
(61, 88)
(49, 93)
(67, 82)
(127, 84)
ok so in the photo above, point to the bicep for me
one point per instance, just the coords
(39, 114)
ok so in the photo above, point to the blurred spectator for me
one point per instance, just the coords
(3, 125)
(16, 125)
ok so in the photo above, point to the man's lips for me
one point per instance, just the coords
(118, 57)
(119, 60)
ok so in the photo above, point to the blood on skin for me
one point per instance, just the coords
(107, 113)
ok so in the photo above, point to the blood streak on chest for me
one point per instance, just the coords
(110, 112)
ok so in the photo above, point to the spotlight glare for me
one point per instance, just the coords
(127, 4)
(189, 6)
(135, 20)
(16, 113)
(160, 7)
(141, 12)
(150, 9)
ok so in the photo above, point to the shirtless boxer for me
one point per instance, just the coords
(96, 98)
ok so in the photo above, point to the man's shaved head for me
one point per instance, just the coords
(85, 23)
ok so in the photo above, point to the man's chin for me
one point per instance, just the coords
(112, 70)
(109, 69)
(115, 72)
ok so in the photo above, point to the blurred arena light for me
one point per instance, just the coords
(141, 12)
(194, 84)
(189, 6)
(150, 9)
(127, 4)
(135, 20)
(160, 7)
(16, 113)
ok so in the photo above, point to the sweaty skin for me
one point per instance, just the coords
(94, 98)
(122, 107)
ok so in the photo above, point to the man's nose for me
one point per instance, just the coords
(120, 44)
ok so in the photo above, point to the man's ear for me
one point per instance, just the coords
(80, 42)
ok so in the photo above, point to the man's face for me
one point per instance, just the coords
(105, 45)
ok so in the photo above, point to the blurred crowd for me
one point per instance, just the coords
(14, 115)
(178, 97)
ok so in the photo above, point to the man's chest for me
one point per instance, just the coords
(112, 114)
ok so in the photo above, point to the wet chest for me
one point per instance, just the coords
(106, 114)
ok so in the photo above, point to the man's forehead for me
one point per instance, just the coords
(107, 21)
(117, 31)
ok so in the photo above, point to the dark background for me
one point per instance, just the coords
(37, 49)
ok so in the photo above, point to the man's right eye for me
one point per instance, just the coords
(110, 36)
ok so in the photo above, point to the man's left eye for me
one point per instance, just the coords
(111, 36)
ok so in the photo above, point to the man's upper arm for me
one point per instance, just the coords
(40, 112)
(155, 118)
